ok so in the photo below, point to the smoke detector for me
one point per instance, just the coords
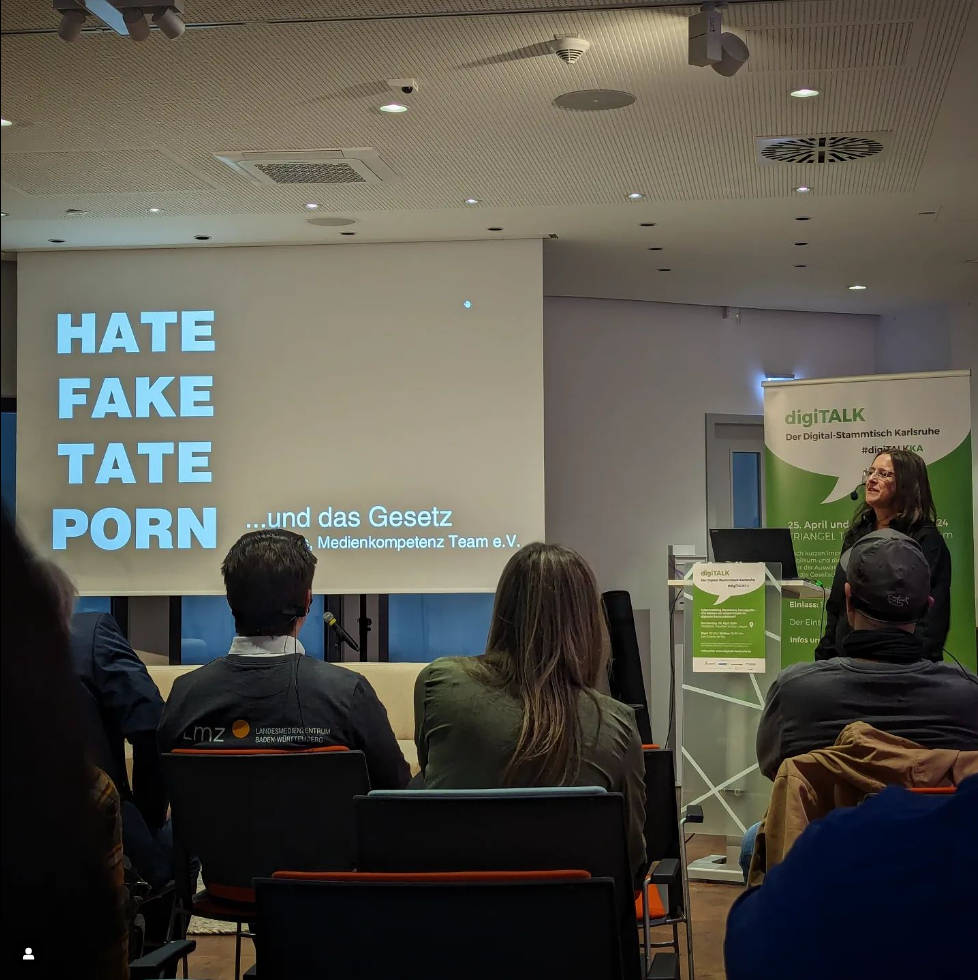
(360, 165)
(569, 48)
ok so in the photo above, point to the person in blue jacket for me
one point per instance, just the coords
(880, 891)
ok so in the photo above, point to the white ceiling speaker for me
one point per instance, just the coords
(568, 48)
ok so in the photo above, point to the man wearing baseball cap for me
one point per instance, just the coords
(883, 676)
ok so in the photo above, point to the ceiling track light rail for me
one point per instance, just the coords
(125, 17)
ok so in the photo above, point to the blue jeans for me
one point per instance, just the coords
(747, 848)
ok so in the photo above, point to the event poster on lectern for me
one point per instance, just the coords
(728, 618)
(820, 435)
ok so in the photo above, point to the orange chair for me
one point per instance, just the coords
(246, 813)
(481, 925)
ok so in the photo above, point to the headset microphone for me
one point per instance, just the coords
(330, 620)
(855, 493)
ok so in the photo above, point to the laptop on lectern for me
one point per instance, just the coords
(765, 544)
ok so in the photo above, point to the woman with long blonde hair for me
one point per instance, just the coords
(527, 712)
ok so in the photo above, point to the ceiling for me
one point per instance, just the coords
(113, 128)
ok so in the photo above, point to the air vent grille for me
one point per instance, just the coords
(819, 149)
(361, 165)
(310, 173)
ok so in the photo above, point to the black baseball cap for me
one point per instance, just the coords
(888, 576)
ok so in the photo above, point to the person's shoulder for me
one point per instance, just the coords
(623, 714)
(799, 674)
(333, 676)
(445, 669)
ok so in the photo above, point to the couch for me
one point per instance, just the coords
(394, 684)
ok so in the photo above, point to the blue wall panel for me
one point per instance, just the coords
(425, 627)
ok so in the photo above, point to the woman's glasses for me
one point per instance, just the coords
(882, 474)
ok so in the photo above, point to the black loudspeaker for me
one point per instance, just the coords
(625, 677)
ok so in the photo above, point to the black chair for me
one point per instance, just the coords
(504, 830)
(246, 813)
(512, 925)
(665, 854)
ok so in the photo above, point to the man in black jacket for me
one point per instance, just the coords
(121, 703)
(883, 676)
(266, 693)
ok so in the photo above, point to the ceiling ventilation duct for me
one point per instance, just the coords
(361, 165)
(820, 149)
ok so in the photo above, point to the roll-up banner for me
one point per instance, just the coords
(820, 435)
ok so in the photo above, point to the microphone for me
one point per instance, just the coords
(330, 620)
(855, 493)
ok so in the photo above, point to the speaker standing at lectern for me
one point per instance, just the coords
(897, 495)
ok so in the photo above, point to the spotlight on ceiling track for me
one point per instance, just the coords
(72, 21)
(169, 21)
(709, 44)
(125, 17)
(136, 23)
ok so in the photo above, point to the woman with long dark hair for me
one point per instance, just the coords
(897, 495)
(526, 713)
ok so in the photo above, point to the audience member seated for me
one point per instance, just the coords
(266, 694)
(846, 900)
(121, 703)
(883, 676)
(61, 871)
(526, 713)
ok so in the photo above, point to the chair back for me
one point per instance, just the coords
(503, 830)
(661, 804)
(249, 812)
(521, 926)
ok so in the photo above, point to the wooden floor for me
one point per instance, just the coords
(214, 958)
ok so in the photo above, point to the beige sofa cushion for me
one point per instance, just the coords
(394, 684)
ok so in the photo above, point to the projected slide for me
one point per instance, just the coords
(384, 401)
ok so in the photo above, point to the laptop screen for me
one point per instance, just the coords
(766, 544)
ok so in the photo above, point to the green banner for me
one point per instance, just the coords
(821, 435)
(728, 617)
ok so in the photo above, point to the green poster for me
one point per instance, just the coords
(728, 617)
(819, 437)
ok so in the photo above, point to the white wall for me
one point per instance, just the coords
(626, 388)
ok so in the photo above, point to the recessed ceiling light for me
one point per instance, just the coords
(348, 233)
(471, 201)
(804, 93)
(155, 210)
(801, 266)
(3, 214)
(467, 303)
(802, 189)
(926, 214)
(393, 107)
(635, 196)
(203, 238)
(665, 270)
(856, 286)
(804, 217)
(311, 206)
(646, 224)
(5, 123)
(801, 243)
(75, 211)
(494, 229)
(655, 248)
(56, 241)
